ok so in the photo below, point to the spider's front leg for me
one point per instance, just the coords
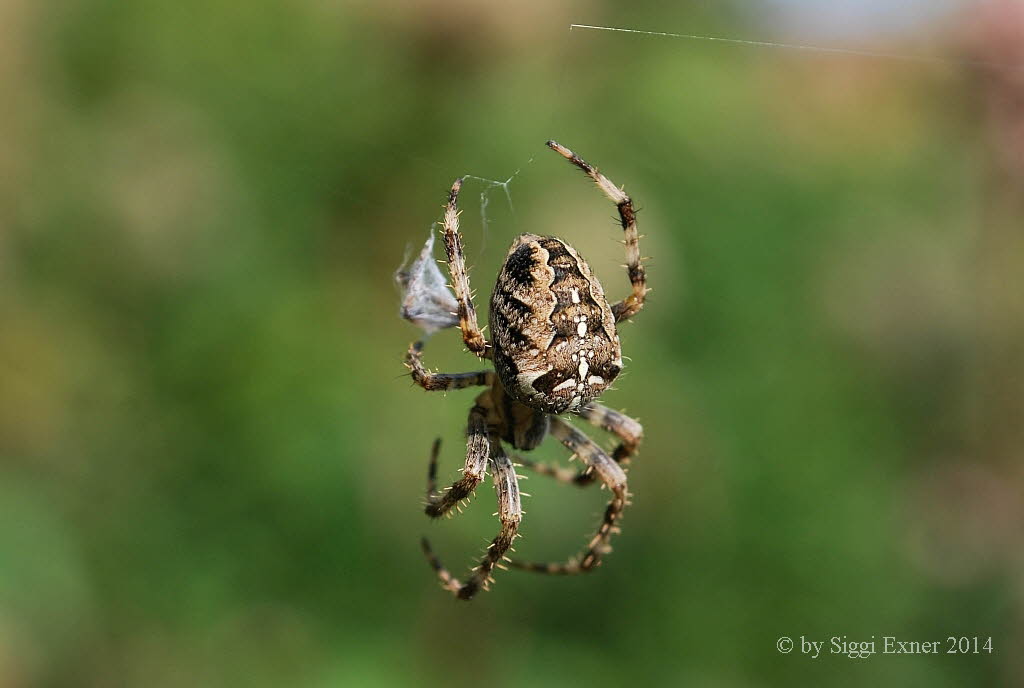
(631, 305)
(612, 475)
(627, 429)
(509, 512)
(471, 333)
(442, 381)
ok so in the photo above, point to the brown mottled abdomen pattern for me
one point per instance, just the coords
(554, 338)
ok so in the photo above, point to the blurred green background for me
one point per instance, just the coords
(212, 461)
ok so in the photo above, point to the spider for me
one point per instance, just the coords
(554, 349)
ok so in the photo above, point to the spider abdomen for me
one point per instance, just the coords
(553, 333)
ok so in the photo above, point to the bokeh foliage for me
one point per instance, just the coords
(211, 464)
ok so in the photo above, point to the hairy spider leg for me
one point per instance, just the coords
(612, 475)
(631, 305)
(442, 382)
(471, 333)
(510, 514)
(627, 429)
(473, 473)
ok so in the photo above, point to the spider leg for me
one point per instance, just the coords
(442, 381)
(612, 475)
(477, 443)
(471, 333)
(563, 475)
(627, 429)
(509, 513)
(631, 305)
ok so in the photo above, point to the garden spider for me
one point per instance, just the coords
(555, 349)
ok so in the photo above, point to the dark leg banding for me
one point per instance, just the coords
(440, 503)
(509, 513)
(612, 475)
(631, 305)
(434, 382)
(471, 333)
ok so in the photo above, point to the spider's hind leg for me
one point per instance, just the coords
(628, 430)
(509, 512)
(612, 475)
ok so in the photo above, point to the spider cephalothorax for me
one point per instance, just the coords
(555, 350)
